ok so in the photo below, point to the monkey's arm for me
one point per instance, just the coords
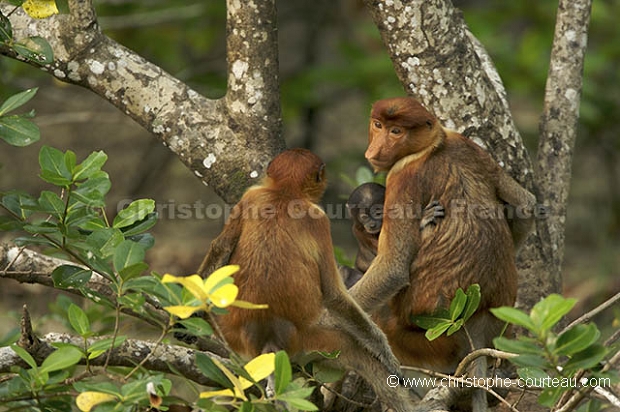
(522, 204)
(343, 312)
(222, 247)
(389, 271)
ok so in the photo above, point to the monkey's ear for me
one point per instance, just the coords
(320, 174)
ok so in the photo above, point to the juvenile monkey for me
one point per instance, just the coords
(365, 205)
(415, 274)
(281, 240)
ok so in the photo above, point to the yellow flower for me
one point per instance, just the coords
(217, 290)
(258, 368)
(85, 401)
(40, 9)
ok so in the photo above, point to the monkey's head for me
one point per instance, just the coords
(298, 172)
(366, 207)
(399, 127)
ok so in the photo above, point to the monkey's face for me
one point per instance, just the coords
(398, 127)
(386, 144)
(370, 219)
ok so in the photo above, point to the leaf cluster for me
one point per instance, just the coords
(574, 353)
(451, 320)
(70, 219)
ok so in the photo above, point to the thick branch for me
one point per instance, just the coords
(225, 142)
(439, 61)
(163, 358)
(558, 125)
(27, 266)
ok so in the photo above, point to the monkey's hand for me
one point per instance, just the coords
(431, 214)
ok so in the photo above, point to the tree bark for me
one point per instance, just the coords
(161, 357)
(559, 120)
(226, 142)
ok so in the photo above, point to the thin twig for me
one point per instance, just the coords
(589, 315)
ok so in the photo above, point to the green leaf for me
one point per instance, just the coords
(127, 253)
(211, 371)
(520, 347)
(363, 175)
(196, 326)
(18, 99)
(430, 321)
(576, 339)
(102, 345)
(458, 304)
(455, 327)
(436, 331)
(532, 373)
(68, 276)
(92, 191)
(9, 223)
(43, 227)
(90, 166)
(132, 271)
(26, 357)
(549, 396)
(146, 240)
(79, 216)
(21, 204)
(587, 358)
(61, 358)
(51, 203)
(546, 313)
(135, 212)
(36, 49)
(326, 372)
(53, 167)
(6, 31)
(141, 226)
(473, 301)
(514, 316)
(19, 131)
(104, 241)
(297, 399)
(78, 320)
(133, 301)
(70, 160)
(283, 372)
(529, 361)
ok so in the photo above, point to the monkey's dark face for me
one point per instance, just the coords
(371, 219)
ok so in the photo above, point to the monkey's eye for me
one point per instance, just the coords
(396, 130)
(429, 124)
(377, 124)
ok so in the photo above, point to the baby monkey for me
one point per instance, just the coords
(365, 206)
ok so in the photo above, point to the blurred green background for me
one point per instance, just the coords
(333, 66)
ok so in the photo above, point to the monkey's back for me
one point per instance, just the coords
(471, 244)
(278, 267)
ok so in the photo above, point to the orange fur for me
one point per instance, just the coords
(287, 261)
